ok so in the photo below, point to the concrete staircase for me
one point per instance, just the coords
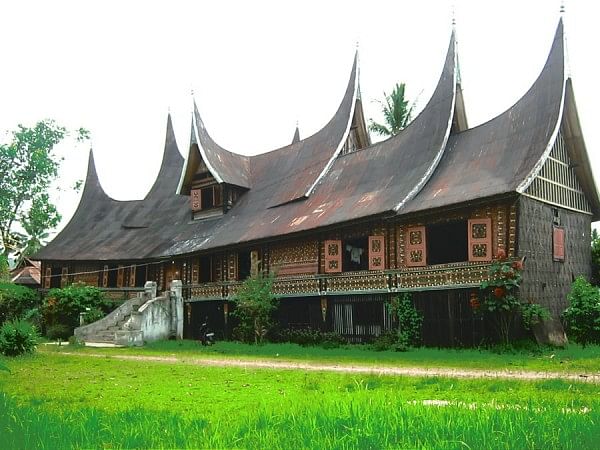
(106, 329)
(144, 318)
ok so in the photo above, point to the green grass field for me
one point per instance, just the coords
(59, 401)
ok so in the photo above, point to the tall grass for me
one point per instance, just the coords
(364, 423)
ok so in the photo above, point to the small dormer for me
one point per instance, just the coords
(213, 177)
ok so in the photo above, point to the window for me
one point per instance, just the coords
(355, 254)
(207, 197)
(447, 242)
(416, 247)
(244, 265)
(558, 243)
(205, 269)
(480, 239)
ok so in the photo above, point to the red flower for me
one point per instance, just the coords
(499, 292)
(501, 253)
(517, 265)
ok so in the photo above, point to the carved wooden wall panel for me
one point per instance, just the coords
(295, 258)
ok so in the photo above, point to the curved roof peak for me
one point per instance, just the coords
(296, 137)
(504, 154)
(92, 187)
(170, 167)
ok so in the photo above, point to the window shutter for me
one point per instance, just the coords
(105, 276)
(333, 256)
(47, 278)
(558, 243)
(195, 272)
(120, 277)
(132, 275)
(64, 277)
(376, 252)
(416, 247)
(195, 199)
(480, 239)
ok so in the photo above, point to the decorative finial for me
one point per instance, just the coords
(296, 123)
(357, 44)
(453, 15)
(562, 7)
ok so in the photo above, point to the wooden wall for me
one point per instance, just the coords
(546, 281)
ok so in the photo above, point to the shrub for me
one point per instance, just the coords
(16, 301)
(62, 306)
(582, 317)
(254, 307)
(408, 322)
(58, 331)
(17, 337)
(93, 314)
(311, 337)
(532, 314)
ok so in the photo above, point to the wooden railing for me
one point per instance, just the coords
(443, 276)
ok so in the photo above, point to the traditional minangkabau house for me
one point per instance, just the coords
(346, 224)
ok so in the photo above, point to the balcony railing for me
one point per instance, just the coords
(443, 276)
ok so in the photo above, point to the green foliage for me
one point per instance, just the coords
(17, 337)
(408, 323)
(595, 257)
(4, 269)
(62, 306)
(17, 302)
(309, 337)
(501, 300)
(396, 112)
(254, 307)
(532, 314)
(58, 331)
(582, 317)
(28, 166)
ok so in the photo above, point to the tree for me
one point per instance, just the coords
(254, 307)
(28, 166)
(396, 111)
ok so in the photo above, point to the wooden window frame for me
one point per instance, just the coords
(120, 274)
(376, 258)
(558, 243)
(48, 277)
(422, 247)
(472, 241)
(329, 268)
(196, 197)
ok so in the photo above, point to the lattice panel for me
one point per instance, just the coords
(557, 182)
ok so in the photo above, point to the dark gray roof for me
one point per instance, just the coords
(307, 185)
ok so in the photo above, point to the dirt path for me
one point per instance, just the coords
(352, 368)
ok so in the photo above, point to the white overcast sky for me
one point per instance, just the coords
(118, 67)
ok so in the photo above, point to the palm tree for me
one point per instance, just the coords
(396, 112)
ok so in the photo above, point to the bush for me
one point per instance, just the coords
(308, 337)
(582, 317)
(93, 315)
(254, 307)
(62, 306)
(16, 301)
(58, 331)
(17, 337)
(408, 322)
